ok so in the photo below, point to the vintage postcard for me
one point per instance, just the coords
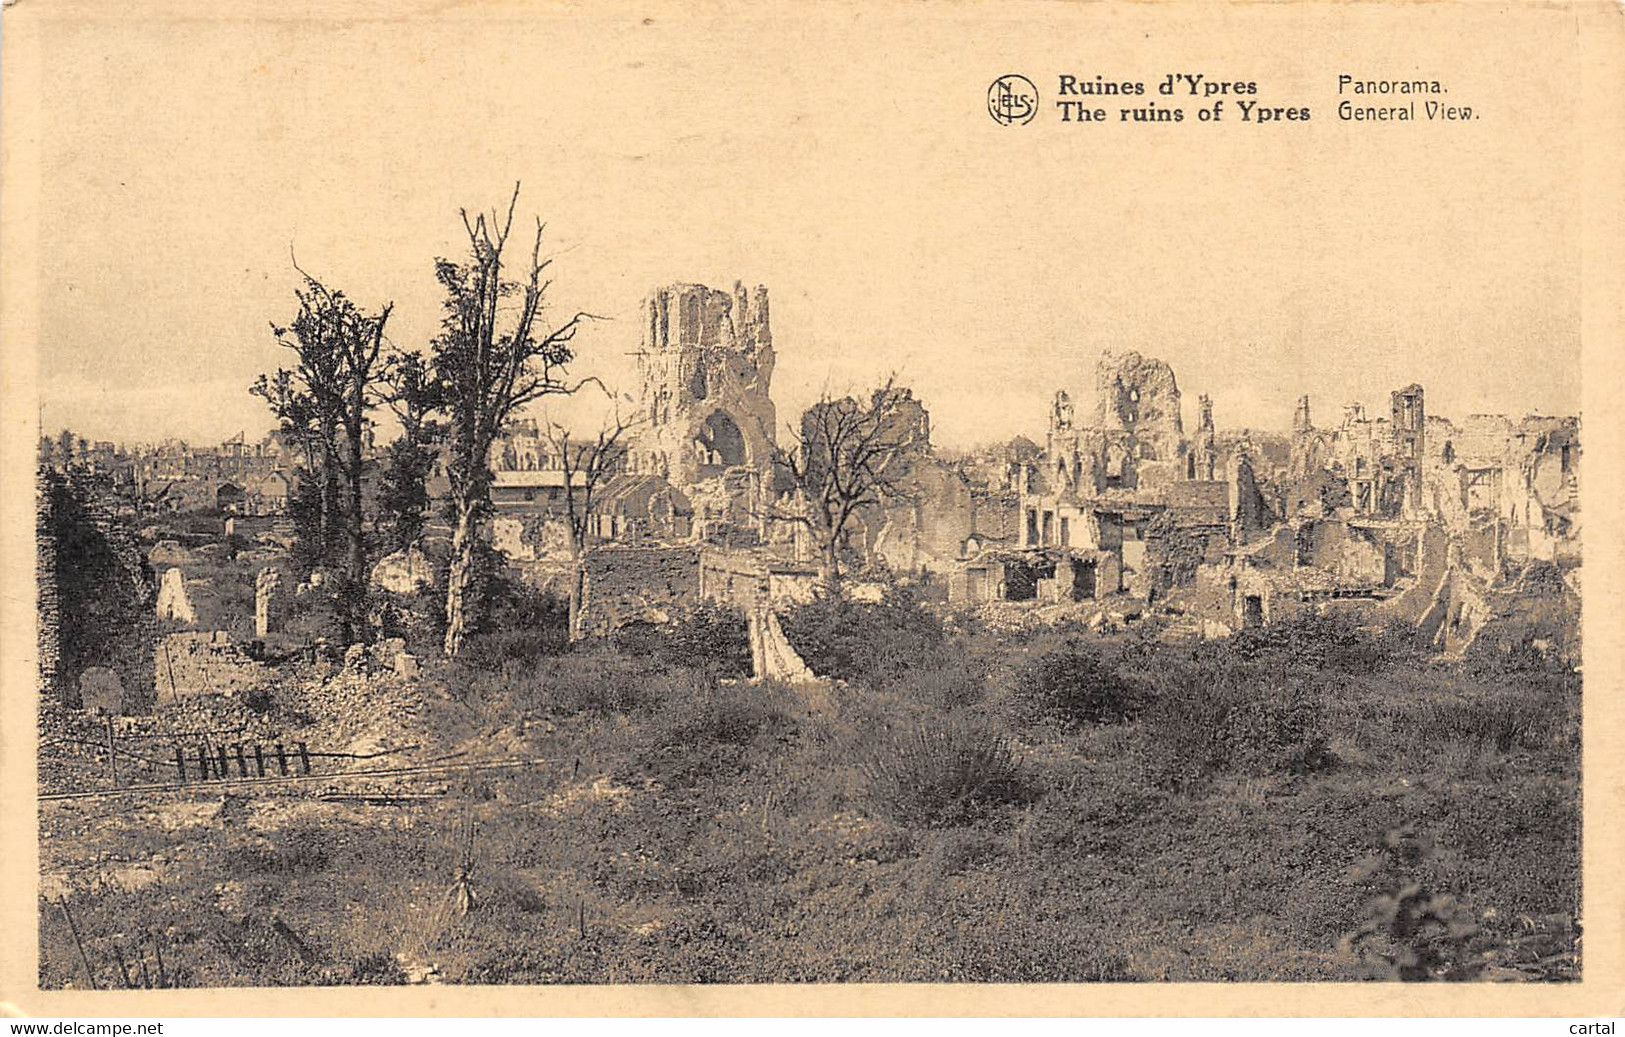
(863, 508)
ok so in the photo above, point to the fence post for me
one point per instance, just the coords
(281, 759)
(242, 762)
(259, 759)
(304, 758)
(225, 771)
(112, 751)
(203, 761)
(84, 959)
(158, 957)
(180, 764)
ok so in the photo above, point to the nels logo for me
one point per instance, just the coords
(1012, 100)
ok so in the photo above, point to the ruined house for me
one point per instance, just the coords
(1108, 500)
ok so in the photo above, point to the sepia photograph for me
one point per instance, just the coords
(533, 495)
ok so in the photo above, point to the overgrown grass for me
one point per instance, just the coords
(967, 806)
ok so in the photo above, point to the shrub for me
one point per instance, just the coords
(522, 624)
(698, 714)
(710, 637)
(943, 773)
(1410, 932)
(1319, 641)
(1507, 720)
(592, 679)
(376, 968)
(1074, 686)
(874, 642)
(945, 683)
(1212, 719)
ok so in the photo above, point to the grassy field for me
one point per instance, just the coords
(1311, 802)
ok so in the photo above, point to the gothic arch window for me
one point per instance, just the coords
(691, 318)
(719, 444)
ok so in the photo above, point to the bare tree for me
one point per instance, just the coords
(587, 466)
(489, 373)
(846, 457)
(326, 399)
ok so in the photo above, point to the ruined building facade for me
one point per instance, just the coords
(1108, 493)
(706, 370)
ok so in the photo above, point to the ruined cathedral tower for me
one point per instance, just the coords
(705, 369)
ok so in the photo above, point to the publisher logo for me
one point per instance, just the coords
(1012, 100)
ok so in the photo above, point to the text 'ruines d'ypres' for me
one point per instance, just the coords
(1196, 96)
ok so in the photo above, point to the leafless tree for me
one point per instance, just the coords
(493, 356)
(587, 465)
(846, 457)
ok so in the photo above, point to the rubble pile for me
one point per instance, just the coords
(369, 704)
(206, 663)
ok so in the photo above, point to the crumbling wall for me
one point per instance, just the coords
(622, 585)
(527, 538)
(1434, 559)
(929, 532)
(972, 584)
(1249, 513)
(173, 601)
(48, 602)
(1337, 548)
(98, 600)
(772, 656)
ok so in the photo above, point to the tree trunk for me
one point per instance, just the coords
(578, 586)
(329, 495)
(355, 590)
(459, 579)
(832, 563)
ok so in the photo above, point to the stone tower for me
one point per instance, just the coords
(1138, 395)
(1408, 427)
(1301, 421)
(706, 367)
(1203, 460)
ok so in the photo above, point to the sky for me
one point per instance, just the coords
(842, 156)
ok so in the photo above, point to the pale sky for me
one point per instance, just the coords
(844, 158)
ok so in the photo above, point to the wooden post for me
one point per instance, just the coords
(304, 758)
(112, 751)
(124, 973)
(259, 759)
(242, 762)
(180, 764)
(225, 766)
(203, 762)
(158, 957)
(84, 959)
